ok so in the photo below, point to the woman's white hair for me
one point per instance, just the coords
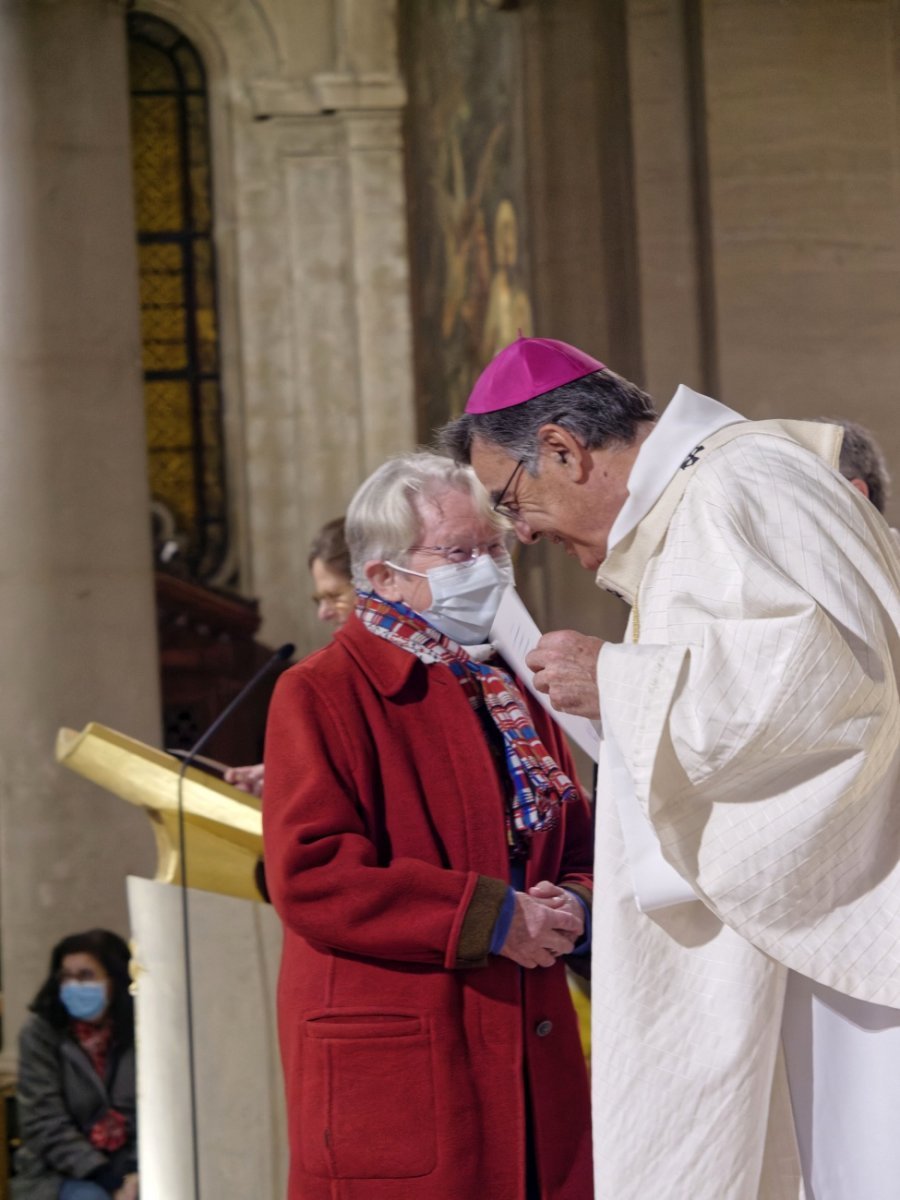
(383, 519)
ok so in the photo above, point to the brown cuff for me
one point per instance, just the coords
(583, 893)
(478, 924)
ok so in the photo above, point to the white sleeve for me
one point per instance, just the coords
(759, 718)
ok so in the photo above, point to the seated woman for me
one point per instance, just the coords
(76, 1093)
(424, 843)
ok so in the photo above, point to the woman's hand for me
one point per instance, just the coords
(248, 779)
(129, 1188)
(541, 931)
(556, 897)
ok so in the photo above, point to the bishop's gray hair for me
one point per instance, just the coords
(862, 458)
(597, 409)
(384, 518)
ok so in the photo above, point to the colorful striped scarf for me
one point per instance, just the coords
(539, 785)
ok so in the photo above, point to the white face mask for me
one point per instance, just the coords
(465, 596)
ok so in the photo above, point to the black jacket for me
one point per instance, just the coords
(60, 1096)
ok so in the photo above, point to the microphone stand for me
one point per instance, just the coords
(281, 655)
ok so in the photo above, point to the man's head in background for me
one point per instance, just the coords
(329, 565)
(862, 462)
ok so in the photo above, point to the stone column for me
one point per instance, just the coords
(77, 625)
(326, 344)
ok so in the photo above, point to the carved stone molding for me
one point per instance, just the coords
(326, 93)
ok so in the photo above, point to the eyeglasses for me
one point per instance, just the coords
(345, 597)
(510, 510)
(85, 975)
(459, 554)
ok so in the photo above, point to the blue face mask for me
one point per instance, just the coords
(83, 1001)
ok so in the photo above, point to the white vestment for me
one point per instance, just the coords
(747, 822)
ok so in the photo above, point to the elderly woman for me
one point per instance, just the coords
(429, 854)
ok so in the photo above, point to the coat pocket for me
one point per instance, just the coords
(368, 1109)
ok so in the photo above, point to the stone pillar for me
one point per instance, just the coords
(325, 331)
(77, 625)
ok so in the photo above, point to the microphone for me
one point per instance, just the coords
(281, 655)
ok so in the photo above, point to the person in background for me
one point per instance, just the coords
(329, 566)
(862, 462)
(863, 465)
(76, 1089)
(334, 597)
(429, 853)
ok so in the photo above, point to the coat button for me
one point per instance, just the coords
(543, 1028)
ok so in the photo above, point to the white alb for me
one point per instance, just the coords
(748, 825)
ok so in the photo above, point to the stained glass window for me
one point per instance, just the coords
(179, 321)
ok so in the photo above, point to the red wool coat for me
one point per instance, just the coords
(404, 1071)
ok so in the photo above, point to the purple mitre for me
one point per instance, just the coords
(526, 369)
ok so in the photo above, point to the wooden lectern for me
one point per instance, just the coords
(223, 825)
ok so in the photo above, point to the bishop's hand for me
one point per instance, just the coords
(565, 669)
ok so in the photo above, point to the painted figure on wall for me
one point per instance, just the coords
(465, 178)
(508, 308)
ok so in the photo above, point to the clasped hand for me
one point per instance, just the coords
(546, 924)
